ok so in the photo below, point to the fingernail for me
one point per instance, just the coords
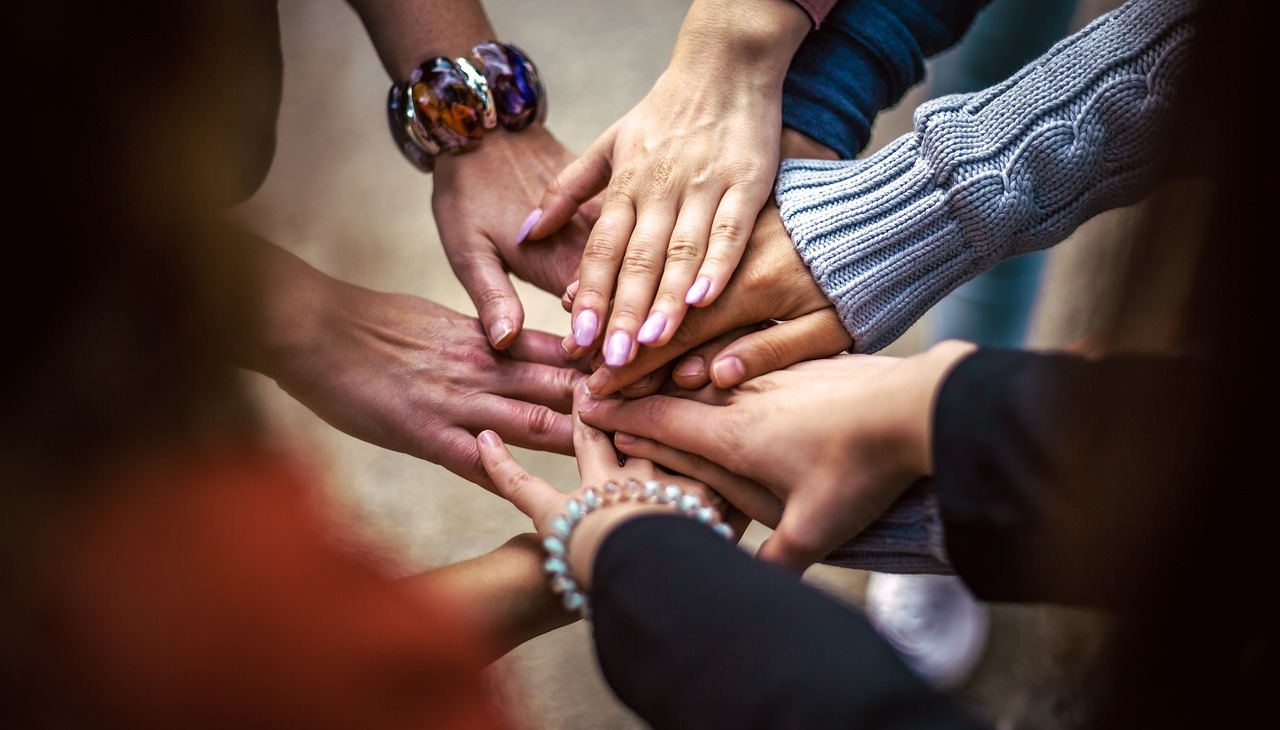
(698, 291)
(617, 349)
(528, 225)
(587, 401)
(584, 327)
(728, 370)
(499, 330)
(692, 367)
(623, 438)
(489, 438)
(652, 327)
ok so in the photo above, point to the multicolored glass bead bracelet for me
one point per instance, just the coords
(447, 105)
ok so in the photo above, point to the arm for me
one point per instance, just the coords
(684, 174)
(1050, 469)
(988, 176)
(866, 55)
(479, 204)
(406, 373)
(503, 594)
(665, 587)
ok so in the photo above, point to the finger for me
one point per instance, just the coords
(576, 184)
(730, 229)
(684, 254)
(455, 449)
(566, 300)
(481, 273)
(597, 459)
(693, 369)
(682, 423)
(545, 385)
(649, 384)
(544, 348)
(637, 278)
(529, 425)
(808, 337)
(699, 326)
(797, 541)
(597, 273)
(531, 495)
(748, 496)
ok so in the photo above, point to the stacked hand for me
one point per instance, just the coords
(411, 375)
(818, 450)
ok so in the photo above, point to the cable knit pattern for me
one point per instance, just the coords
(990, 175)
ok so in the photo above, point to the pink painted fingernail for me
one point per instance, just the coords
(698, 291)
(528, 225)
(617, 349)
(728, 370)
(584, 327)
(652, 327)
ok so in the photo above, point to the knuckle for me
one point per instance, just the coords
(639, 260)
(683, 249)
(541, 421)
(728, 230)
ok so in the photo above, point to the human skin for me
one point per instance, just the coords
(406, 373)
(835, 441)
(480, 197)
(683, 176)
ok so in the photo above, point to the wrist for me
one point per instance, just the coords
(757, 44)
(574, 537)
(932, 368)
(796, 144)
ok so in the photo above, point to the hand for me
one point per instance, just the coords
(479, 199)
(772, 287)
(685, 172)
(836, 441)
(597, 464)
(408, 374)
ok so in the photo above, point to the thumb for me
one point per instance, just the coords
(808, 337)
(796, 543)
(481, 273)
(534, 497)
(576, 184)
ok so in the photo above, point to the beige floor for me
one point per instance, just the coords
(341, 197)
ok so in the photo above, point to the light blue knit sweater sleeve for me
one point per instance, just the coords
(990, 175)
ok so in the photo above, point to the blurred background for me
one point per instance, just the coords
(340, 196)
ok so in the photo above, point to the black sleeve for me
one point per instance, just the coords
(692, 632)
(1052, 470)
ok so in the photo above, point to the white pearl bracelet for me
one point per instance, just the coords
(562, 526)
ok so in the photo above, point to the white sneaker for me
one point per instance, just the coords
(932, 620)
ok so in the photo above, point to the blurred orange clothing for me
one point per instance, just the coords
(214, 590)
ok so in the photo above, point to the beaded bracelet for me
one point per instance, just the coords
(447, 105)
(562, 526)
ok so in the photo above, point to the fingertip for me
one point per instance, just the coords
(502, 333)
(530, 222)
(698, 292)
(489, 439)
(727, 371)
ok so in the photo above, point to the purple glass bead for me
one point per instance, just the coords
(517, 88)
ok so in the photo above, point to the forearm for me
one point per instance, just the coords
(408, 32)
(759, 38)
(786, 654)
(988, 176)
(1052, 469)
(503, 593)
